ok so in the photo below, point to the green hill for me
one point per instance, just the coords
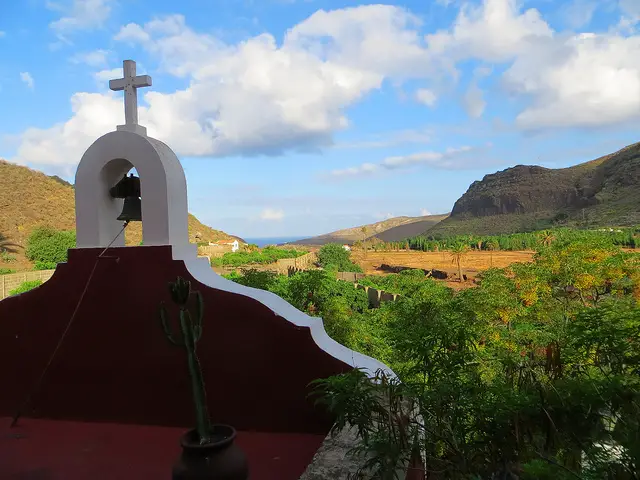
(601, 192)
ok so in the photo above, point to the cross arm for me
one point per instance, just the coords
(118, 84)
(142, 81)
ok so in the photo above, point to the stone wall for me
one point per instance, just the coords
(376, 297)
(14, 280)
(350, 276)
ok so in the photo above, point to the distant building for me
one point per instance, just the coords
(227, 243)
(346, 247)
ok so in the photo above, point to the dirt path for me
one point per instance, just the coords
(472, 264)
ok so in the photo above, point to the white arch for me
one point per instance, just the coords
(162, 184)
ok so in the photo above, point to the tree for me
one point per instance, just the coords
(334, 256)
(546, 237)
(48, 246)
(492, 245)
(458, 251)
(364, 240)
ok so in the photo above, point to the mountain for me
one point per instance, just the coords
(601, 192)
(390, 230)
(29, 198)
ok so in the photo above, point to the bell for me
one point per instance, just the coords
(131, 210)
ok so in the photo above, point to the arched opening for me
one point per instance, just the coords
(128, 192)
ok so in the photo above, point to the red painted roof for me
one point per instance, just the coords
(38, 449)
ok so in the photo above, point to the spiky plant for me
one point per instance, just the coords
(190, 333)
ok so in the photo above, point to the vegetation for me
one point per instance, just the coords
(6, 271)
(48, 247)
(335, 257)
(262, 257)
(623, 237)
(532, 374)
(25, 287)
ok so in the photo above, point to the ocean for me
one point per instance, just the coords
(263, 242)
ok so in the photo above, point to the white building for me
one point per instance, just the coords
(234, 244)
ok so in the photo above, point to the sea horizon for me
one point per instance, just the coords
(264, 241)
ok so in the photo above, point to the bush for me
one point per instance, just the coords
(333, 256)
(25, 287)
(48, 245)
(45, 265)
(6, 271)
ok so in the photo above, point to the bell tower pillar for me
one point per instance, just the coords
(162, 184)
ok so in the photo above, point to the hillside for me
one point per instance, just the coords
(392, 229)
(29, 198)
(601, 192)
(411, 229)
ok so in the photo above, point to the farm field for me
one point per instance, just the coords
(473, 263)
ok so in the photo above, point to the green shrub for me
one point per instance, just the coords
(334, 257)
(44, 265)
(48, 245)
(25, 287)
(6, 271)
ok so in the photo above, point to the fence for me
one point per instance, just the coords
(14, 280)
(376, 297)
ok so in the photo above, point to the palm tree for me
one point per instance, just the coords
(458, 252)
(364, 240)
(492, 245)
(546, 237)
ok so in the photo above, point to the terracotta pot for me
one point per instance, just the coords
(221, 459)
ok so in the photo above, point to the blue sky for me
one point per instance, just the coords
(296, 118)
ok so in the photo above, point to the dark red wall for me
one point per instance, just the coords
(116, 364)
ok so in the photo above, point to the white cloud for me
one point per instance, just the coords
(258, 96)
(103, 76)
(571, 79)
(494, 32)
(424, 212)
(473, 101)
(27, 79)
(584, 80)
(426, 96)
(382, 216)
(95, 58)
(79, 15)
(272, 214)
(450, 159)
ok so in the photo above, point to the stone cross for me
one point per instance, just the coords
(130, 84)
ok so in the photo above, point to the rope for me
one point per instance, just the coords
(38, 384)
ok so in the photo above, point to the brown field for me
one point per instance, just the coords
(473, 263)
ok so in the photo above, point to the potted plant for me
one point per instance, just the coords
(208, 451)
